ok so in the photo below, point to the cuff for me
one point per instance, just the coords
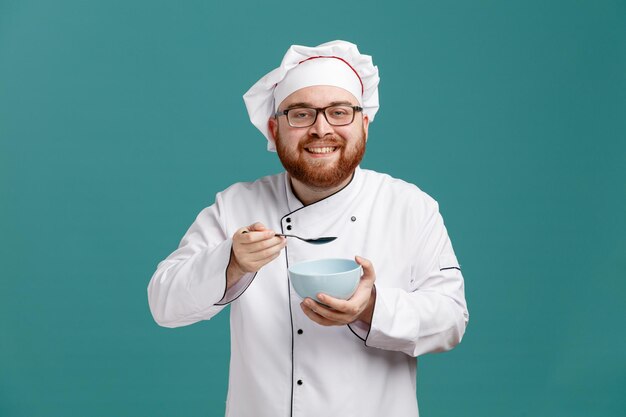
(234, 292)
(360, 329)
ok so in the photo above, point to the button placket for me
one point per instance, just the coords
(289, 225)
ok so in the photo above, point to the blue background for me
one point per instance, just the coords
(120, 120)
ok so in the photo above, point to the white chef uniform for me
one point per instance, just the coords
(282, 363)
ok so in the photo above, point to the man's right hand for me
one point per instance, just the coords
(253, 247)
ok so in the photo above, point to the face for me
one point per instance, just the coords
(320, 156)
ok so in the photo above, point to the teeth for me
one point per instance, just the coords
(321, 150)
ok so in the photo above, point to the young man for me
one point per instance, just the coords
(293, 357)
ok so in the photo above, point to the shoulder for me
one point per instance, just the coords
(247, 202)
(268, 187)
(397, 190)
(269, 183)
(401, 201)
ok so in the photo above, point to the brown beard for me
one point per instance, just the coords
(319, 175)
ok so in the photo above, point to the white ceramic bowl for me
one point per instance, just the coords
(335, 277)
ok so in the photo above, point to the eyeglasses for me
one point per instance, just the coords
(307, 116)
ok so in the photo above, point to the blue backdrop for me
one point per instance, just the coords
(120, 120)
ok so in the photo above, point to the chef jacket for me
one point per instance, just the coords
(282, 363)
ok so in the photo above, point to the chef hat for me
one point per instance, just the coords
(336, 63)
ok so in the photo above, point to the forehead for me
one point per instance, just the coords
(319, 96)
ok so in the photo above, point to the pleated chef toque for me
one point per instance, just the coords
(336, 63)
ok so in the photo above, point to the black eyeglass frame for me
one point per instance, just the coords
(355, 109)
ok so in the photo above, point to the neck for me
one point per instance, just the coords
(308, 194)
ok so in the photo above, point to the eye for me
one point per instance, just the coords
(300, 114)
(339, 112)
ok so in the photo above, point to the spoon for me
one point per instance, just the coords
(316, 241)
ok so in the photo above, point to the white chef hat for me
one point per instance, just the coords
(336, 63)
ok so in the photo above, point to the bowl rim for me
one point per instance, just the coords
(357, 266)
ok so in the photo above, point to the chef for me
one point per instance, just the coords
(292, 357)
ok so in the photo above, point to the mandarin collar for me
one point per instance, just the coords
(345, 194)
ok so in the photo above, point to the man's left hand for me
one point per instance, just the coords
(338, 312)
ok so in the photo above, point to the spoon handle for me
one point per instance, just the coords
(280, 234)
(317, 241)
(284, 235)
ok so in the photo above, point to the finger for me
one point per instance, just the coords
(346, 308)
(257, 261)
(241, 230)
(327, 313)
(332, 302)
(252, 237)
(266, 244)
(254, 227)
(258, 264)
(265, 253)
(316, 317)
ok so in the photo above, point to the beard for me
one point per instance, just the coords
(321, 174)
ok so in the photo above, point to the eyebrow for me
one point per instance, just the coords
(305, 104)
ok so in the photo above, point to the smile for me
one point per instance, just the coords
(326, 149)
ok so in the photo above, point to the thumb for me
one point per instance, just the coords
(257, 227)
(368, 268)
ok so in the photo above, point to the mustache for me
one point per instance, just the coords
(326, 141)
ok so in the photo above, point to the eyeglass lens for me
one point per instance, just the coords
(335, 115)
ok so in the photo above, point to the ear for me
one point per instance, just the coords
(272, 126)
(366, 124)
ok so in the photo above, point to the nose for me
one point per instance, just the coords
(321, 127)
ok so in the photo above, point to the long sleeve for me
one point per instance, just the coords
(432, 315)
(190, 284)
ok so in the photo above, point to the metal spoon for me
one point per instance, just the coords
(316, 241)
